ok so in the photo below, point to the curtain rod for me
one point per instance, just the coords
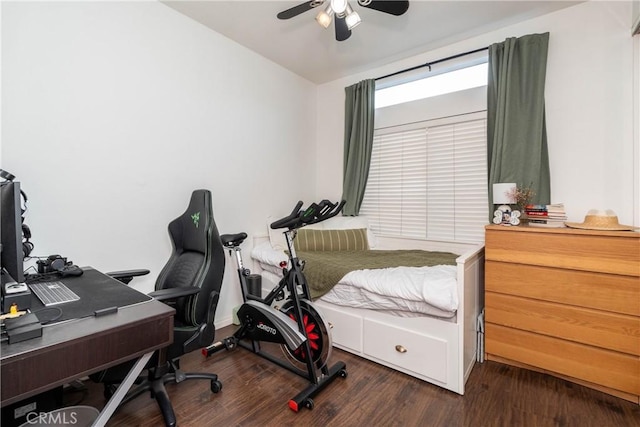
(429, 64)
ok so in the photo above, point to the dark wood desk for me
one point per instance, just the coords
(76, 348)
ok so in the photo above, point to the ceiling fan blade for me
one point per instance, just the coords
(342, 31)
(393, 7)
(297, 10)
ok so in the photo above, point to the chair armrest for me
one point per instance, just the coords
(174, 293)
(125, 276)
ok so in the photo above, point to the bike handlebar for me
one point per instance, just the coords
(282, 222)
(316, 212)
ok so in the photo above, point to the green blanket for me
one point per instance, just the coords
(323, 270)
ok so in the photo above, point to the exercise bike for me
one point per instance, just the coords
(296, 325)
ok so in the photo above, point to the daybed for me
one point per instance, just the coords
(438, 344)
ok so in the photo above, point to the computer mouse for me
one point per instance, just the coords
(71, 270)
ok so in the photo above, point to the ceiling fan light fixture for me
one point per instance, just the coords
(324, 17)
(339, 6)
(342, 13)
(352, 19)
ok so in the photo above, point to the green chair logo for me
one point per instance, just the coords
(196, 218)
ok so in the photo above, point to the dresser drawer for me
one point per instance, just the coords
(600, 329)
(612, 252)
(595, 365)
(609, 292)
(407, 349)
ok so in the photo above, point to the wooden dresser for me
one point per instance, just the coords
(565, 302)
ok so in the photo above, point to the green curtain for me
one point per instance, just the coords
(359, 107)
(516, 129)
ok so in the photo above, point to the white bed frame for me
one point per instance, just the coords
(439, 351)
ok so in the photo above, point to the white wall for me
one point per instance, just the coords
(636, 126)
(112, 113)
(636, 132)
(589, 105)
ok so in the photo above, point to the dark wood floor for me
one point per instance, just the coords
(255, 393)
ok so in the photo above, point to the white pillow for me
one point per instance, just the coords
(266, 254)
(276, 237)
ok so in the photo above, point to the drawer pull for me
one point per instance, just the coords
(400, 349)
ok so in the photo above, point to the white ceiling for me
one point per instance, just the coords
(304, 47)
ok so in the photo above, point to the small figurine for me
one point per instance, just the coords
(505, 216)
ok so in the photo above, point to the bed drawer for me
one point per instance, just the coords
(346, 329)
(407, 350)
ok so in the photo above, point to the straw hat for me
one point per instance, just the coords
(601, 220)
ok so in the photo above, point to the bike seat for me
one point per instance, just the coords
(232, 240)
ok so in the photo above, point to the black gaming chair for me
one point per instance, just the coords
(190, 282)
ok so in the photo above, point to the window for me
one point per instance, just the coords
(453, 81)
(428, 180)
(428, 173)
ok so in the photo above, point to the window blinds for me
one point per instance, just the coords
(428, 180)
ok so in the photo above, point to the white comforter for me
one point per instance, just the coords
(434, 285)
(424, 290)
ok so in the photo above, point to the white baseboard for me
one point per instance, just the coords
(226, 321)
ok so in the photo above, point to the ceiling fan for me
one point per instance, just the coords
(345, 17)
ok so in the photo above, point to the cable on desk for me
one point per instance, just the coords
(40, 277)
(56, 313)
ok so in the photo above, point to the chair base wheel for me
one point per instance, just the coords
(216, 386)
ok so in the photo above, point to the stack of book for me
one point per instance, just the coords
(546, 215)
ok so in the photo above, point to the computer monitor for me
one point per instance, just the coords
(11, 232)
